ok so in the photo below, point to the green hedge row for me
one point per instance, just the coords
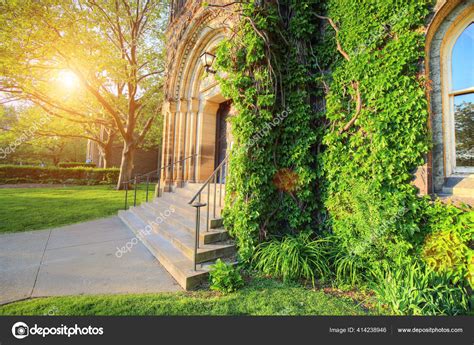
(76, 165)
(11, 174)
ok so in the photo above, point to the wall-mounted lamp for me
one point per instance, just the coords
(207, 60)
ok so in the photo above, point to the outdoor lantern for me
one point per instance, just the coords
(207, 59)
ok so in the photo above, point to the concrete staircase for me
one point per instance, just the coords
(166, 226)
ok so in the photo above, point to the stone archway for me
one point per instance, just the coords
(193, 100)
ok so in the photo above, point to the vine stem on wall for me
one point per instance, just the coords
(354, 84)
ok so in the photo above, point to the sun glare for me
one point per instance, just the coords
(68, 79)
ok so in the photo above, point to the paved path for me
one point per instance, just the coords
(78, 259)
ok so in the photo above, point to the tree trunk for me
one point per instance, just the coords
(126, 166)
(105, 152)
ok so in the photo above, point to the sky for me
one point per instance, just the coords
(463, 60)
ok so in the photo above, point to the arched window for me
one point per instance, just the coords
(462, 97)
(458, 99)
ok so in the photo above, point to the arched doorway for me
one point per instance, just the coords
(196, 113)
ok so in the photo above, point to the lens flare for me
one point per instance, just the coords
(68, 79)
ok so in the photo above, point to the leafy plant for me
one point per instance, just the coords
(418, 290)
(444, 251)
(349, 268)
(225, 277)
(266, 78)
(448, 246)
(293, 257)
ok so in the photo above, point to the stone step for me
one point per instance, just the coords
(184, 216)
(167, 227)
(180, 201)
(172, 259)
(191, 193)
(459, 187)
(184, 240)
(215, 234)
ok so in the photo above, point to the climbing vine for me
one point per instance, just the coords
(341, 162)
(378, 135)
(270, 76)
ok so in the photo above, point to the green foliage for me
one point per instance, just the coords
(34, 174)
(349, 153)
(62, 37)
(76, 165)
(374, 211)
(266, 78)
(225, 277)
(448, 248)
(413, 289)
(293, 258)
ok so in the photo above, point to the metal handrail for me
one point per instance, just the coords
(136, 180)
(221, 173)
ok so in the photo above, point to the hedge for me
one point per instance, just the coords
(76, 165)
(12, 174)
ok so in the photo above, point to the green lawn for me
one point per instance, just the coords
(259, 297)
(42, 208)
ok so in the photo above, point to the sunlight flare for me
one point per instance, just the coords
(68, 79)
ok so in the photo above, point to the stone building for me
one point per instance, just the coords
(197, 137)
(145, 160)
(195, 111)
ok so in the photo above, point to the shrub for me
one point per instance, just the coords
(418, 290)
(76, 165)
(444, 251)
(34, 174)
(293, 257)
(225, 277)
(448, 246)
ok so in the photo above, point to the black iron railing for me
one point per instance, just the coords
(150, 178)
(214, 185)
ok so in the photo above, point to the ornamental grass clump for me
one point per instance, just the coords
(294, 257)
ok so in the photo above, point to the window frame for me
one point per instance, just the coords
(448, 95)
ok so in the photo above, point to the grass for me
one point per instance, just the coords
(260, 297)
(24, 209)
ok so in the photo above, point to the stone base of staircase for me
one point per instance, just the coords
(458, 189)
(166, 226)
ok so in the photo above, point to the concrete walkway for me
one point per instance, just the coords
(78, 259)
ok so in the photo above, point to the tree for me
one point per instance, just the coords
(20, 141)
(114, 49)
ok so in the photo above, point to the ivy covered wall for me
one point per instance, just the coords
(273, 187)
(339, 164)
(379, 128)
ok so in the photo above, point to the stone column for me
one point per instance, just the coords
(190, 174)
(180, 142)
(169, 110)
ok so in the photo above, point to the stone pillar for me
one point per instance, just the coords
(168, 143)
(180, 142)
(191, 144)
(164, 145)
